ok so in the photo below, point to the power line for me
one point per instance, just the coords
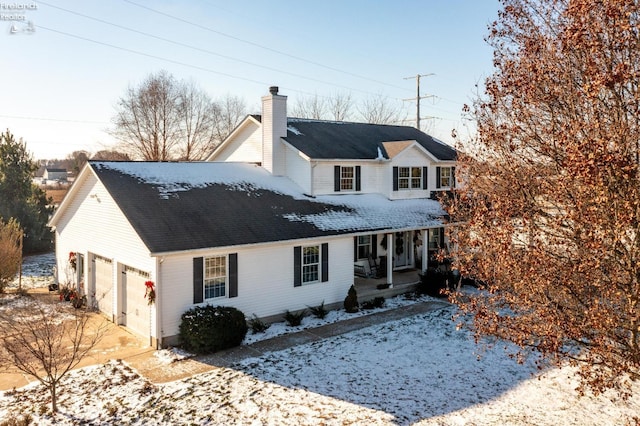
(177, 43)
(18, 117)
(251, 43)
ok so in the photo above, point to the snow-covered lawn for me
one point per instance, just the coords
(418, 370)
(415, 370)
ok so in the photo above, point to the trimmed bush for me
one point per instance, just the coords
(206, 329)
(257, 325)
(294, 319)
(377, 302)
(433, 283)
(319, 311)
(351, 301)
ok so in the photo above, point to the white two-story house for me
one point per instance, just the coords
(286, 213)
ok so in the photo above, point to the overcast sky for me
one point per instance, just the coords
(67, 62)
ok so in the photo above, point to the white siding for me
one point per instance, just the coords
(412, 157)
(93, 224)
(265, 282)
(372, 177)
(298, 169)
(246, 146)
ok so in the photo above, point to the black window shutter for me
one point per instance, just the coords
(325, 262)
(453, 177)
(441, 238)
(437, 177)
(395, 178)
(297, 266)
(336, 178)
(358, 183)
(355, 249)
(198, 270)
(233, 275)
(374, 246)
(424, 178)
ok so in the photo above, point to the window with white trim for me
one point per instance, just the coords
(215, 277)
(409, 177)
(364, 246)
(445, 177)
(310, 264)
(347, 178)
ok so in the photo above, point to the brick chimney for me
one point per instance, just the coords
(274, 127)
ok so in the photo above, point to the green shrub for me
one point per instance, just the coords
(377, 302)
(351, 301)
(206, 329)
(257, 325)
(319, 311)
(294, 319)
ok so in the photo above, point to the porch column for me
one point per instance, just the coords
(390, 251)
(425, 249)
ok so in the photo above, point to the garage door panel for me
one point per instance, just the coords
(137, 312)
(103, 268)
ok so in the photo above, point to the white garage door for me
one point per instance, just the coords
(136, 312)
(103, 282)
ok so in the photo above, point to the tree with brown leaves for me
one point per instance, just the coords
(550, 210)
(10, 251)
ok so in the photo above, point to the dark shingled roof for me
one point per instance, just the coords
(356, 141)
(215, 215)
(185, 206)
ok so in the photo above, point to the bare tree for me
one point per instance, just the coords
(110, 155)
(165, 119)
(200, 118)
(380, 109)
(230, 110)
(551, 203)
(313, 107)
(46, 341)
(339, 106)
(10, 251)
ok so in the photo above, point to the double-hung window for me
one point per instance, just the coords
(310, 264)
(409, 177)
(445, 176)
(346, 178)
(215, 277)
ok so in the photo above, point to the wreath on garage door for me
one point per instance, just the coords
(150, 292)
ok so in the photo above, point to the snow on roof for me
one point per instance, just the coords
(210, 204)
(374, 211)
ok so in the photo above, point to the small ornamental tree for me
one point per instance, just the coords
(46, 341)
(351, 301)
(550, 212)
(10, 251)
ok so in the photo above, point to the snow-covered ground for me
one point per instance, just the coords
(37, 271)
(418, 370)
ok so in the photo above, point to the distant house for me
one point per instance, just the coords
(54, 175)
(287, 213)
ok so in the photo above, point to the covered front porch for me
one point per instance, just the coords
(404, 281)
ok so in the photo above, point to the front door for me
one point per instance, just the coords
(402, 250)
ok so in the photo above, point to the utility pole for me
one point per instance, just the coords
(418, 97)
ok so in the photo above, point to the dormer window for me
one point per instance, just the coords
(408, 178)
(346, 178)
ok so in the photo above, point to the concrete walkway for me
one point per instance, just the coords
(120, 344)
